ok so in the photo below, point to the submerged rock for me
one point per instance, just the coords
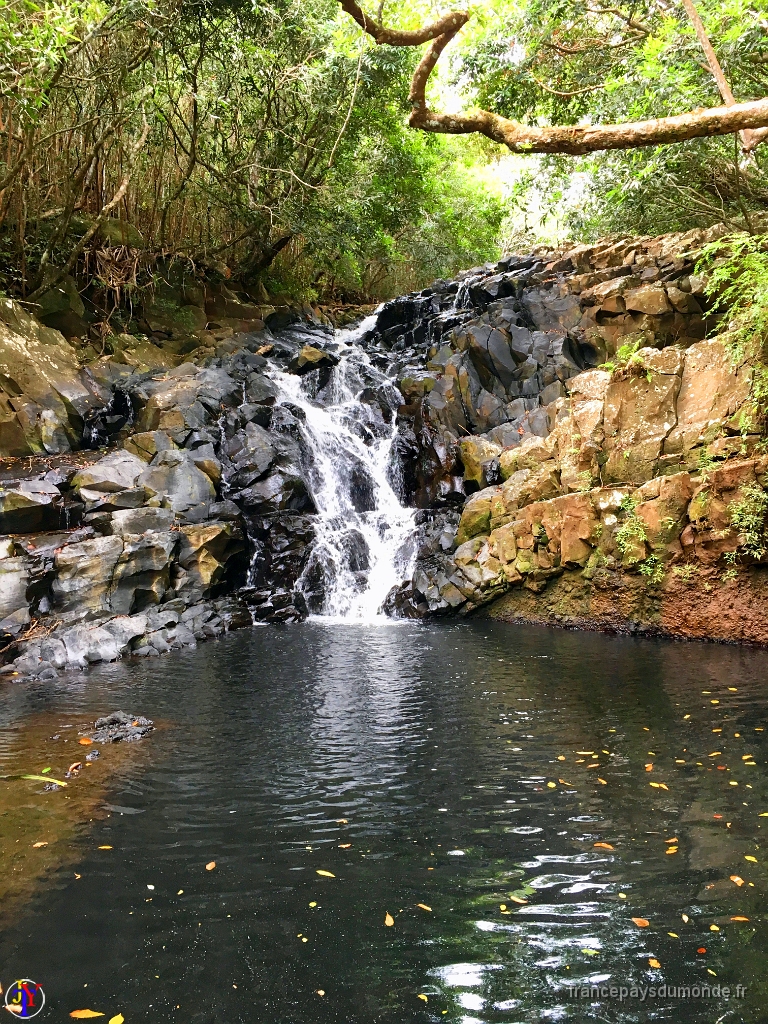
(119, 727)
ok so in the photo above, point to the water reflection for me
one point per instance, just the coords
(454, 779)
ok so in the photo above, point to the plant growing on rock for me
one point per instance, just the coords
(653, 569)
(631, 535)
(749, 517)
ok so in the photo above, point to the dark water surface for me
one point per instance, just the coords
(418, 765)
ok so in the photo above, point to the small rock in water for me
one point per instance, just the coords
(93, 755)
(120, 727)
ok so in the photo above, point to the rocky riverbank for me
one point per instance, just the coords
(578, 448)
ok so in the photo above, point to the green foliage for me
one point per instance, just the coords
(632, 529)
(686, 572)
(749, 517)
(653, 569)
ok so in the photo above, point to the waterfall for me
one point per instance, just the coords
(364, 536)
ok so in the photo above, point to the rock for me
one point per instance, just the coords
(174, 478)
(210, 556)
(14, 579)
(478, 455)
(147, 444)
(142, 572)
(84, 577)
(44, 396)
(650, 299)
(30, 506)
(141, 520)
(120, 728)
(118, 471)
(311, 358)
(476, 515)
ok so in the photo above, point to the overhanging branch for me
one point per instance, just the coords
(567, 139)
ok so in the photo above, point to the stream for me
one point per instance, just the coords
(452, 779)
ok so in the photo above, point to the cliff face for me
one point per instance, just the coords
(622, 498)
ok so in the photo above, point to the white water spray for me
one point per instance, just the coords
(363, 534)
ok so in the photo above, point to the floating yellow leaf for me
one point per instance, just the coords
(602, 781)
(36, 846)
(750, 858)
(671, 849)
(561, 757)
(210, 865)
(325, 874)
(737, 879)
(590, 952)
(763, 814)
(603, 846)
(86, 742)
(389, 920)
(663, 785)
(84, 1014)
(656, 785)
(551, 785)
(518, 899)
(739, 918)
(423, 997)
(43, 778)
(714, 928)
(118, 1019)
(424, 906)
(674, 840)
(105, 847)
(344, 846)
(673, 935)
(649, 767)
(589, 753)
(641, 922)
(653, 962)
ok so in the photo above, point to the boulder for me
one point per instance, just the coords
(84, 577)
(118, 471)
(142, 572)
(311, 358)
(147, 444)
(478, 455)
(32, 505)
(176, 481)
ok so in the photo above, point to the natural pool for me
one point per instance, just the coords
(466, 768)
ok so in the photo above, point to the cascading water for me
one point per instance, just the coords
(364, 536)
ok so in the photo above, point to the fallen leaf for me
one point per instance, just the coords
(210, 865)
(673, 935)
(423, 997)
(551, 785)
(118, 1019)
(685, 918)
(325, 874)
(763, 814)
(751, 859)
(389, 920)
(587, 753)
(714, 928)
(424, 906)
(739, 918)
(75, 766)
(675, 840)
(653, 962)
(602, 781)
(590, 952)
(518, 899)
(42, 778)
(105, 847)
(179, 892)
(603, 846)
(656, 785)
(36, 846)
(561, 757)
(649, 767)
(342, 821)
(321, 991)
(737, 879)
(671, 849)
(663, 785)
(78, 876)
(85, 741)
(344, 846)
(702, 949)
(641, 922)
(46, 770)
(83, 1014)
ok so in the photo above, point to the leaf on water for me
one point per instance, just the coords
(663, 785)
(702, 949)
(389, 920)
(641, 922)
(763, 814)
(344, 846)
(656, 785)
(649, 767)
(737, 879)
(603, 846)
(423, 997)
(42, 778)
(671, 849)
(518, 899)
(83, 1014)
(85, 741)
(750, 858)
(685, 918)
(674, 840)
(342, 821)
(591, 952)
(586, 753)
(551, 785)
(714, 928)
(602, 781)
(738, 917)
(105, 847)
(75, 766)
(325, 874)
(423, 906)
(37, 846)
(210, 865)
(118, 1019)
(561, 757)
(653, 962)
(673, 935)
(46, 770)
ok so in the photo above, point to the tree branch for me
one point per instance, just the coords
(570, 139)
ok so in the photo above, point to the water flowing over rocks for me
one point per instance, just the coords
(477, 444)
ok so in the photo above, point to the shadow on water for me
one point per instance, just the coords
(466, 768)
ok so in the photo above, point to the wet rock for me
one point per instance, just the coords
(119, 727)
(118, 471)
(311, 358)
(176, 481)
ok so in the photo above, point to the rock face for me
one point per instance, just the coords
(566, 432)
